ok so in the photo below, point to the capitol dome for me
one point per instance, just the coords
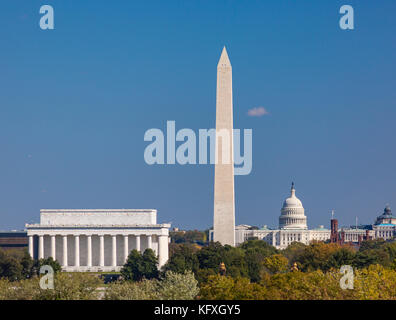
(292, 213)
(293, 201)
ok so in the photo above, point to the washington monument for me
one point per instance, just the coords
(224, 204)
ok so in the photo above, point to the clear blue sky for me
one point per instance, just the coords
(76, 101)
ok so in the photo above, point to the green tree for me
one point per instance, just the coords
(183, 258)
(140, 266)
(365, 259)
(49, 262)
(10, 266)
(343, 256)
(375, 252)
(255, 253)
(260, 245)
(133, 268)
(150, 264)
(211, 256)
(190, 236)
(371, 244)
(29, 266)
(294, 251)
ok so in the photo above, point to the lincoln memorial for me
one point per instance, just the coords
(96, 240)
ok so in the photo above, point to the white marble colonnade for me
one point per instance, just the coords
(97, 239)
(79, 248)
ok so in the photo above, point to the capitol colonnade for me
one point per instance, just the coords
(93, 245)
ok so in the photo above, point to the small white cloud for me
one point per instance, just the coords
(258, 112)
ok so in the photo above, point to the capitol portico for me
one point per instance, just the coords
(96, 240)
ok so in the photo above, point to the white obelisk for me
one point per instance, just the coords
(224, 204)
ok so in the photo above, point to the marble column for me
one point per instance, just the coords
(53, 247)
(149, 242)
(126, 249)
(64, 251)
(31, 247)
(138, 243)
(101, 251)
(162, 250)
(41, 247)
(77, 251)
(114, 251)
(89, 251)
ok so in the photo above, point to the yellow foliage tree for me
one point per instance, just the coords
(276, 263)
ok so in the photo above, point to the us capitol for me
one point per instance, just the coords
(293, 228)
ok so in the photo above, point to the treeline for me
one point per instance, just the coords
(372, 283)
(18, 265)
(85, 286)
(254, 270)
(190, 236)
(255, 258)
(141, 280)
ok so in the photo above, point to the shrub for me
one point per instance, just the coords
(177, 286)
(127, 290)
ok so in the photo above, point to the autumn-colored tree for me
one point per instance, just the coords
(315, 256)
(375, 283)
(227, 288)
(276, 263)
